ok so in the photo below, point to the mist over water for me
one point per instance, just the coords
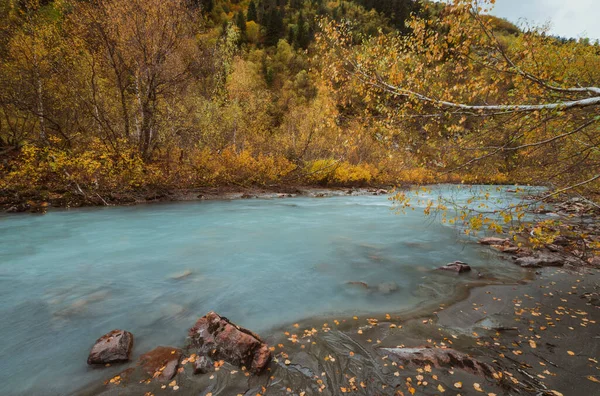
(70, 276)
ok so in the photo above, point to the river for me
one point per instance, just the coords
(69, 276)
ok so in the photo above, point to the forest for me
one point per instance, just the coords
(102, 99)
(296, 130)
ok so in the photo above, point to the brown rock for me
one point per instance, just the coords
(494, 241)
(507, 248)
(217, 337)
(113, 347)
(261, 359)
(161, 362)
(457, 266)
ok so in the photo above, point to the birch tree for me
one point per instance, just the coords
(470, 99)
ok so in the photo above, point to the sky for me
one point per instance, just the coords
(568, 18)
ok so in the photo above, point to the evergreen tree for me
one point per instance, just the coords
(240, 22)
(303, 33)
(252, 12)
(274, 26)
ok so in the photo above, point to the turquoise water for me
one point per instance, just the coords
(70, 276)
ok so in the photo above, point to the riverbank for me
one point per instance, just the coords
(15, 203)
(539, 337)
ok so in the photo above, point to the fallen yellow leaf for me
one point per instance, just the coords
(458, 385)
(532, 344)
(571, 353)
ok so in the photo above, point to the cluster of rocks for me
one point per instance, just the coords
(30, 206)
(576, 206)
(212, 338)
(552, 255)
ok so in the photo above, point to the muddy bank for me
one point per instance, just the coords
(540, 337)
(40, 203)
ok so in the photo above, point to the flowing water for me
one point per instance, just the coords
(70, 276)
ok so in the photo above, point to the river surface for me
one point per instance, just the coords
(70, 276)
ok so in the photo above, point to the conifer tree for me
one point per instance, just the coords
(252, 13)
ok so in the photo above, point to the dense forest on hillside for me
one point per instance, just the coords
(105, 97)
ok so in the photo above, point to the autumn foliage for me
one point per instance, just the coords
(108, 96)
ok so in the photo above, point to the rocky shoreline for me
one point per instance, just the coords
(536, 337)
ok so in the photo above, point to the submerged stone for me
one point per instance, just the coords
(181, 275)
(387, 287)
(457, 266)
(218, 338)
(439, 357)
(358, 283)
(112, 347)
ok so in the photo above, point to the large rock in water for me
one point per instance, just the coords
(112, 348)
(457, 266)
(218, 338)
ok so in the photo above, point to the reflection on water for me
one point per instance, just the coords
(70, 276)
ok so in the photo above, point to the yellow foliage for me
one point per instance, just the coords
(330, 171)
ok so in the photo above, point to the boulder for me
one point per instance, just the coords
(541, 259)
(161, 362)
(216, 337)
(457, 266)
(494, 241)
(506, 248)
(113, 347)
(438, 357)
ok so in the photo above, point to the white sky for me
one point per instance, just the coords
(568, 18)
